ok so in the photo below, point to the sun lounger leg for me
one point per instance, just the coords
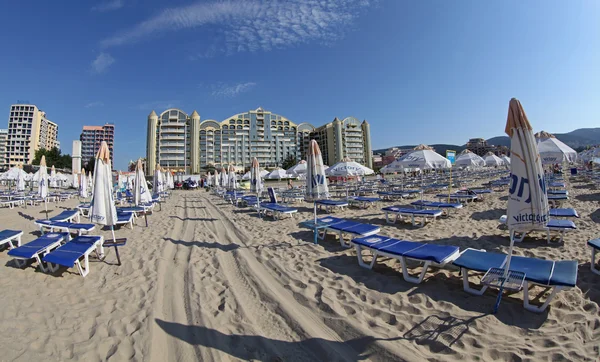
(593, 267)
(408, 277)
(467, 287)
(361, 261)
(387, 218)
(533, 308)
(86, 268)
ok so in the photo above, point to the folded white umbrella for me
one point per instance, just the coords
(103, 210)
(53, 180)
(277, 174)
(231, 179)
(316, 180)
(223, 178)
(552, 150)
(20, 177)
(141, 194)
(527, 207)
(83, 185)
(217, 179)
(157, 182)
(43, 183)
(256, 183)
(346, 168)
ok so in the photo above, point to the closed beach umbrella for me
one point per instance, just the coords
(90, 181)
(527, 207)
(231, 179)
(43, 183)
(103, 210)
(216, 179)
(141, 194)
(52, 178)
(316, 180)
(157, 182)
(83, 185)
(223, 178)
(20, 177)
(552, 150)
(256, 184)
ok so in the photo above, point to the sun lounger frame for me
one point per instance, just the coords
(399, 215)
(84, 269)
(14, 238)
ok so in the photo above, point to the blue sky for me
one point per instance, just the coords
(418, 71)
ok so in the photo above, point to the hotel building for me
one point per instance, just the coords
(28, 131)
(347, 138)
(3, 137)
(92, 136)
(183, 142)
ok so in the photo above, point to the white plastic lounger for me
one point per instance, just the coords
(557, 275)
(557, 226)
(10, 204)
(401, 212)
(342, 226)
(37, 249)
(445, 207)
(11, 237)
(594, 244)
(466, 198)
(427, 254)
(74, 253)
(363, 202)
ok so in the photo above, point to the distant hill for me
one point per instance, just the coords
(578, 138)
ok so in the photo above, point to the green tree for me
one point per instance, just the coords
(89, 166)
(289, 161)
(53, 158)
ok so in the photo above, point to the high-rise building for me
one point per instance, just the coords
(92, 136)
(28, 131)
(182, 142)
(348, 138)
(3, 137)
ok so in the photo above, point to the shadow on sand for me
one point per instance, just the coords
(259, 348)
(204, 244)
(193, 218)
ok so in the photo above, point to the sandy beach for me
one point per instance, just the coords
(209, 281)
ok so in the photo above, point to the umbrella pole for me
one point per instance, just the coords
(315, 211)
(46, 208)
(112, 230)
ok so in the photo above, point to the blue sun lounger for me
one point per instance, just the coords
(61, 226)
(36, 248)
(594, 244)
(342, 226)
(392, 195)
(558, 226)
(401, 212)
(84, 209)
(558, 192)
(10, 237)
(424, 204)
(427, 254)
(74, 253)
(363, 202)
(556, 275)
(276, 210)
(457, 197)
(566, 212)
(66, 215)
(330, 205)
(124, 218)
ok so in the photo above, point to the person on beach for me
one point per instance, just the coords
(289, 184)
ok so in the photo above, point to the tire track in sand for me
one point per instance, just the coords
(172, 302)
(271, 309)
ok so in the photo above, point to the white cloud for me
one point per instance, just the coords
(102, 62)
(94, 104)
(108, 6)
(229, 91)
(249, 25)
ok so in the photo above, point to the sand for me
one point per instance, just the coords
(209, 281)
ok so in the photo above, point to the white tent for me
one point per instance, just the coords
(277, 174)
(492, 160)
(506, 160)
(469, 159)
(298, 169)
(346, 167)
(422, 158)
(552, 150)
